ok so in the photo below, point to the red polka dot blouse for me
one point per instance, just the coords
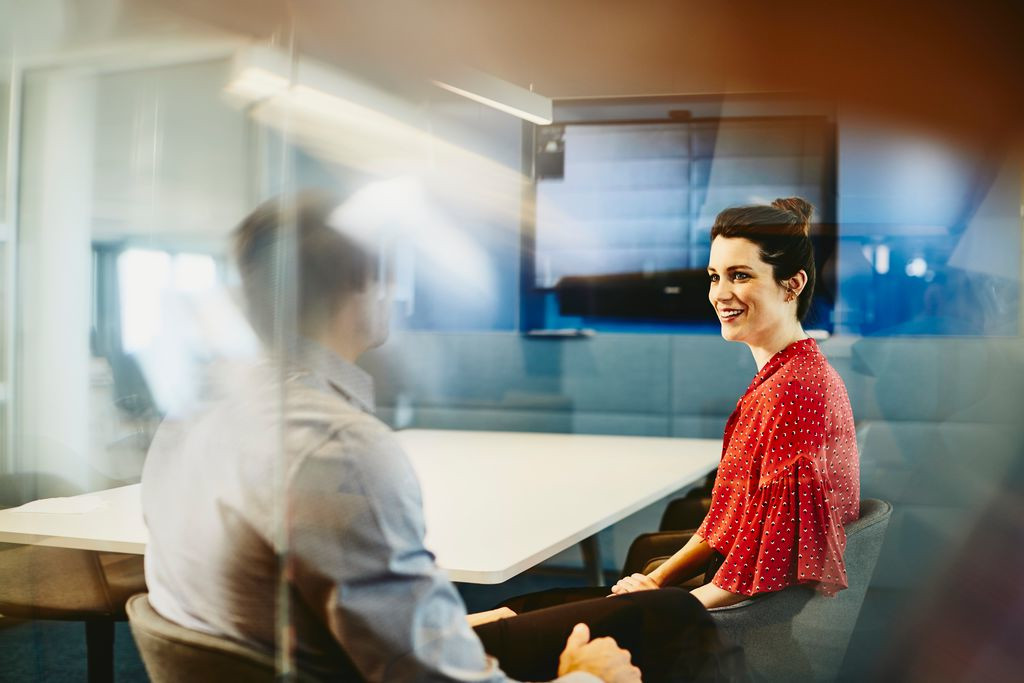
(789, 479)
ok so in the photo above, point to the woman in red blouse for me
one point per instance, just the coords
(789, 476)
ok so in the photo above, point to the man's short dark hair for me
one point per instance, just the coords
(296, 267)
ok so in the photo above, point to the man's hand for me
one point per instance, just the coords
(601, 657)
(489, 616)
(634, 583)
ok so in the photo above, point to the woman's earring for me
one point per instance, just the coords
(789, 294)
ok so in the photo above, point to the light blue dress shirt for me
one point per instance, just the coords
(294, 461)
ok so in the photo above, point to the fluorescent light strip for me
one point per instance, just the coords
(500, 106)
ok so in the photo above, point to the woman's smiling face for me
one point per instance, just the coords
(750, 303)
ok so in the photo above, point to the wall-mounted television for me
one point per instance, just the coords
(617, 221)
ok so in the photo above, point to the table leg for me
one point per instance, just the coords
(99, 645)
(592, 566)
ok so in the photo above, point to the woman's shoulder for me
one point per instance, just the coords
(809, 381)
(809, 368)
(799, 373)
(805, 384)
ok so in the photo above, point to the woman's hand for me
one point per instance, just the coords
(634, 583)
(491, 615)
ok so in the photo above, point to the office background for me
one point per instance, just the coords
(126, 165)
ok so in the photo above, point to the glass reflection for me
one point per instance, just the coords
(119, 307)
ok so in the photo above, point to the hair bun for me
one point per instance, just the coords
(799, 207)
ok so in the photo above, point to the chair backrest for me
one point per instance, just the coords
(798, 634)
(172, 653)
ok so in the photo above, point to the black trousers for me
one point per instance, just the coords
(668, 632)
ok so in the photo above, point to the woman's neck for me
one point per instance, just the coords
(764, 351)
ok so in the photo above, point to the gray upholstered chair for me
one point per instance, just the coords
(173, 653)
(795, 634)
(798, 634)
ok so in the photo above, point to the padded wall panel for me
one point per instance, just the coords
(492, 420)
(709, 375)
(617, 373)
(690, 427)
(940, 379)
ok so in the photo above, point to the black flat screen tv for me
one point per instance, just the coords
(617, 222)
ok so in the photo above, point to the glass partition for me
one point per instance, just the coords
(163, 167)
(6, 266)
(118, 309)
(132, 175)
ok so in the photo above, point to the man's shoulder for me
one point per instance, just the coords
(310, 408)
(324, 425)
(336, 447)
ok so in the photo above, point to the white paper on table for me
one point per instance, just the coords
(75, 505)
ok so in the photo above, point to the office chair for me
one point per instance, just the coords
(689, 511)
(795, 634)
(649, 551)
(173, 653)
(681, 518)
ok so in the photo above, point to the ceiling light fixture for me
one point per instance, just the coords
(501, 95)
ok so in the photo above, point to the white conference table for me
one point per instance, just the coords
(495, 503)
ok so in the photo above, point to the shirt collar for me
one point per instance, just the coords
(334, 373)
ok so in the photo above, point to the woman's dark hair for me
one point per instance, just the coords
(296, 267)
(782, 232)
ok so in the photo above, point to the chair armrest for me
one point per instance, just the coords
(654, 563)
(765, 608)
(660, 545)
(696, 581)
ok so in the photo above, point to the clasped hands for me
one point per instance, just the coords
(633, 584)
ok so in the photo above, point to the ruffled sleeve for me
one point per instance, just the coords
(786, 535)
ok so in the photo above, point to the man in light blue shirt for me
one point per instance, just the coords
(286, 515)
